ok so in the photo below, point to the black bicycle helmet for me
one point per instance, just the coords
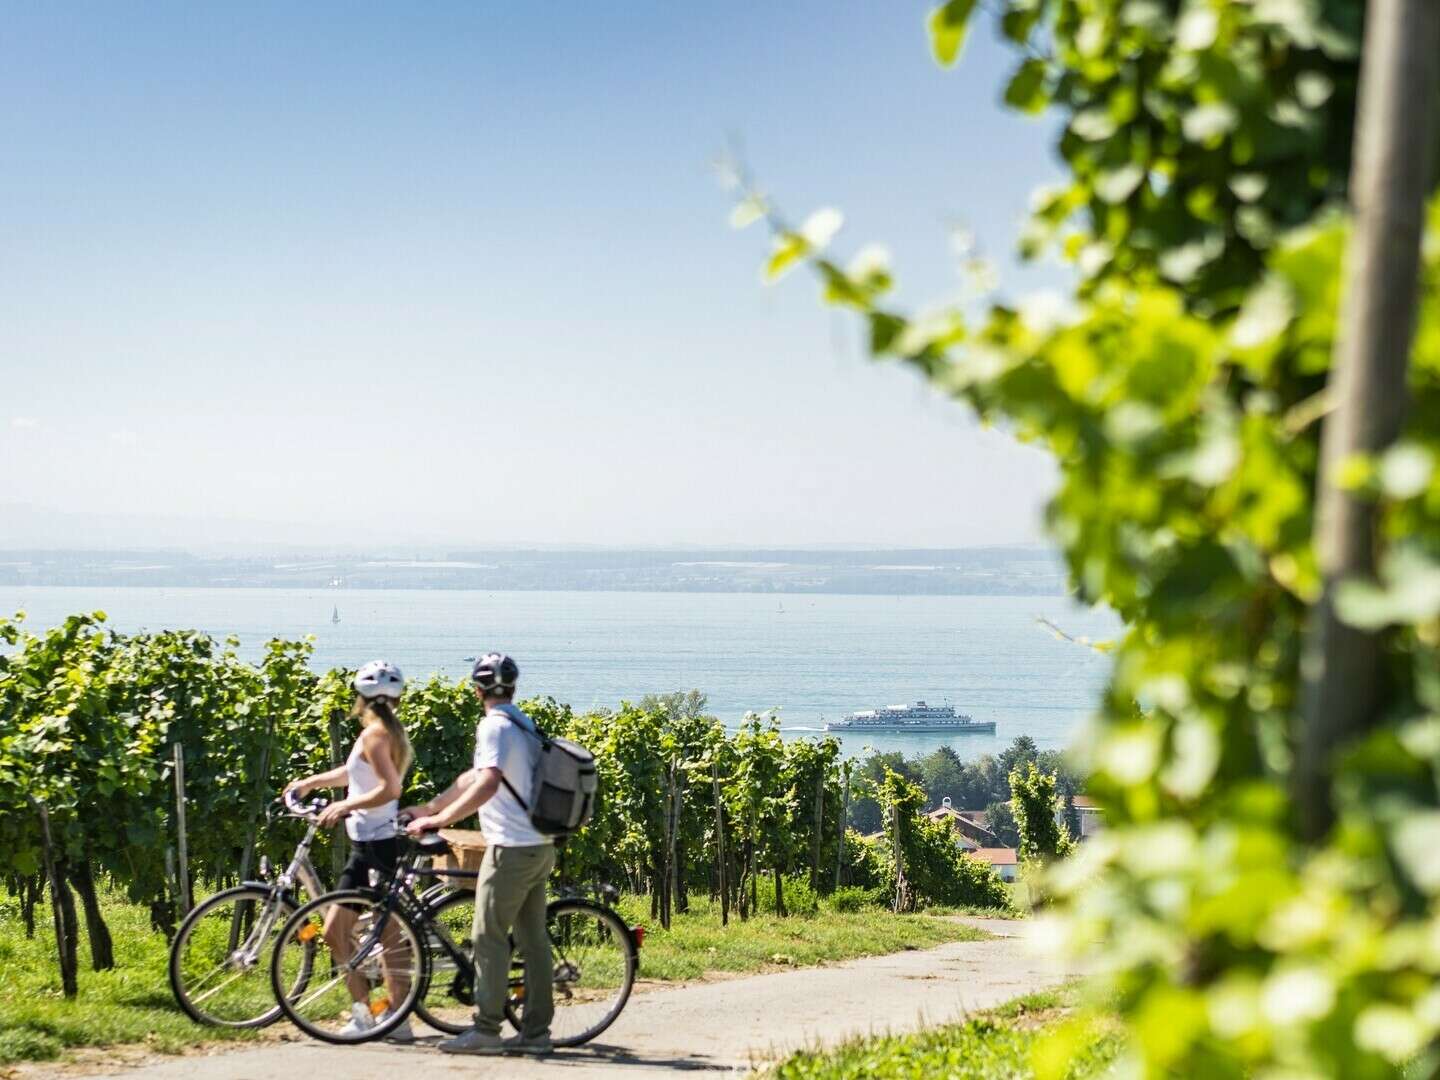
(495, 671)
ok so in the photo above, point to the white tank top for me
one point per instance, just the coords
(378, 822)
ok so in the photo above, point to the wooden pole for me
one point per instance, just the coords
(720, 845)
(64, 930)
(262, 776)
(182, 861)
(1342, 693)
(901, 886)
(844, 824)
(672, 870)
(819, 824)
(337, 836)
(247, 855)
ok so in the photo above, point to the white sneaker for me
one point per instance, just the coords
(403, 1032)
(360, 1021)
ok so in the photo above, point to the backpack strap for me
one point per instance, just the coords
(511, 788)
(534, 733)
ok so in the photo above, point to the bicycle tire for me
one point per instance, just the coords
(359, 898)
(629, 958)
(192, 925)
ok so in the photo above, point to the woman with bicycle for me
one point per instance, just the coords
(373, 774)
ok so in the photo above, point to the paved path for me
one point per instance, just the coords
(715, 1028)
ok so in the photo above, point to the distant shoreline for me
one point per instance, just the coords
(996, 571)
(401, 587)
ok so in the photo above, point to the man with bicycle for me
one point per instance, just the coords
(510, 892)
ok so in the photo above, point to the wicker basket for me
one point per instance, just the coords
(467, 849)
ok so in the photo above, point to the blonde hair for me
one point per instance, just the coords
(381, 710)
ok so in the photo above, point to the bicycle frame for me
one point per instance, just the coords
(418, 908)
(300, 871)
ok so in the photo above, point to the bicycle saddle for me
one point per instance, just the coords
(433, 844)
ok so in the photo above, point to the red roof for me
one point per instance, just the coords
(997, 856)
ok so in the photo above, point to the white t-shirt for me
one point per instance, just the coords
(500, 744)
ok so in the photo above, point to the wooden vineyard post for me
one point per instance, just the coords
(720, 845)
(1343, 666)
(262, 775)
(672, 828)
(337, 844)
(902, 887)
(182, 861)
(677, 793)
(247, 855)
(844, 816)
(64, 931)
(819, 824)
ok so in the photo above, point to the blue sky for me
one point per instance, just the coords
(461, 273)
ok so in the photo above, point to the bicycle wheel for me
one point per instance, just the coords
(447, 1000)
(220, 958)
(594, 960)
(362, 953)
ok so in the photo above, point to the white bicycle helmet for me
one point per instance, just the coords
(379, 678)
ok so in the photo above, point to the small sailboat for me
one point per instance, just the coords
(335, 615)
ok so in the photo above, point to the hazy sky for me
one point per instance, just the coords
(461, 272)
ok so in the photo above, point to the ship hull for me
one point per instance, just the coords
(979, 727)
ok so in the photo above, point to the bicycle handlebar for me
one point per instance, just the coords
(308, 811)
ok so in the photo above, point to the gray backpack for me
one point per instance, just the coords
(562, 788)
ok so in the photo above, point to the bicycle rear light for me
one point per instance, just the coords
(638, 933)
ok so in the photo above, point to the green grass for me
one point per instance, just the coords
(132, 1004)
(697, 943)
(999, 1044)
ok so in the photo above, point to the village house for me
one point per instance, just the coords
(1006, 861)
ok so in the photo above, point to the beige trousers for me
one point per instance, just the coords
(510, 896)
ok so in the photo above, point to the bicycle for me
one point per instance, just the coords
(414, 954)
(220, 958)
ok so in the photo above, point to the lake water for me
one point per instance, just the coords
(810, 657)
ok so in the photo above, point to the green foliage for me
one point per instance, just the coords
(850, 898)
(1195, 135)
(1035, 802)
(1178, 393)
(969, 785)
(936, 869)
(800, 899)
(89, 720)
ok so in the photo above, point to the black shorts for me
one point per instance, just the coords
(367, 855)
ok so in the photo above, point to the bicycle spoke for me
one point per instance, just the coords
(216, 989)
(593, 969)
(448, 1001)
(368, 963)
(210, 979)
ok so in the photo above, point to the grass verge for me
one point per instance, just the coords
(696, 943)
(1040, 1034)
(132, 1004)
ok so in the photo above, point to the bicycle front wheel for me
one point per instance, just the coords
(220, 958)
(594, 960)
(369, 965)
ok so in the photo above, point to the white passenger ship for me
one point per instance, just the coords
(917, 717)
